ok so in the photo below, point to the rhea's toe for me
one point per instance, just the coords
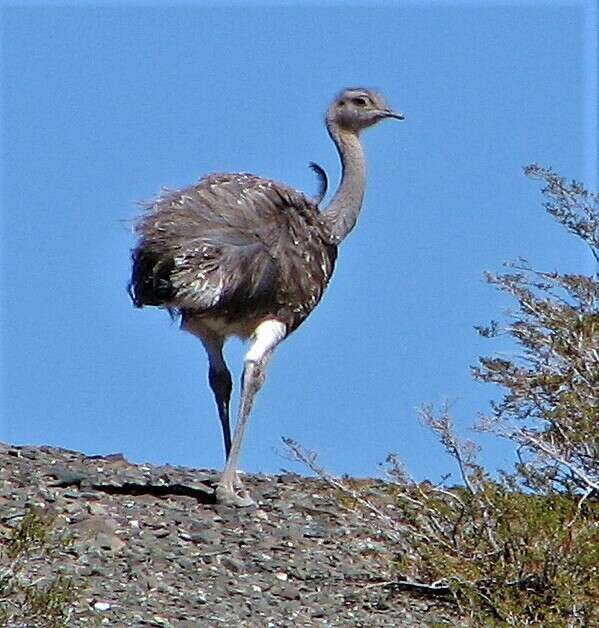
(229, 496)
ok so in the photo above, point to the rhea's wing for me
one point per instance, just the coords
(211, 246)
(323, 181)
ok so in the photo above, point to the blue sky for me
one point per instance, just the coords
(105, 103)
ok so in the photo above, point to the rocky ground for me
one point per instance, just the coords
(99, 541)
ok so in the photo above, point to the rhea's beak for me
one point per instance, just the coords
(388, 113)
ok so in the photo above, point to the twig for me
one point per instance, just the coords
(310, 461)
(439, 587)
(529, 439)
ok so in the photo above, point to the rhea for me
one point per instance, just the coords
(239, 255)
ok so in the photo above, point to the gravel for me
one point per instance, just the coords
(146, 545)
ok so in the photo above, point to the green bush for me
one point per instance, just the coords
(26, 600)
(524, 549)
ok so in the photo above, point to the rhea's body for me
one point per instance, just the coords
(230, 252)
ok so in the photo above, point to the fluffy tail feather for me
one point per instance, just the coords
(150, 282)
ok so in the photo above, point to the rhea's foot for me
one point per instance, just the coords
(230, 495)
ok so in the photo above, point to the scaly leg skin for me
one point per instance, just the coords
(220, 382)
(219, 378)
(266, 337)
(230, 490)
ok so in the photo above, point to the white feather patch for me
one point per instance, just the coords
(266, 337)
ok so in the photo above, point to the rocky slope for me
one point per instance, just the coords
(99, 541)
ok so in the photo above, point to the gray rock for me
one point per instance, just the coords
(206, 537)
(232, 564)
(285, 591)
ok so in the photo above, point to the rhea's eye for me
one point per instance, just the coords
(359, 101)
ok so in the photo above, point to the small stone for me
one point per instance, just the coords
(96, 524)
(96, 509)
(102, 606)
(30, 452)
(205, 537)
(65, 477)
(160, 534)
(293, 531)
(109, 541)
(148, 582)
(285, 591)
(232, 564)
(186, 564)
(117, 457)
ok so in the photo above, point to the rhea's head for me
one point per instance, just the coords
(357, 108)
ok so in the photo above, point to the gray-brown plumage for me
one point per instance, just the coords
(235, 247)
(240, 255)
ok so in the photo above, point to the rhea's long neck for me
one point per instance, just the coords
(342, 212)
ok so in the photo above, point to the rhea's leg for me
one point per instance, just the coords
(266, 337)
(221, 384)
(218, 373)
